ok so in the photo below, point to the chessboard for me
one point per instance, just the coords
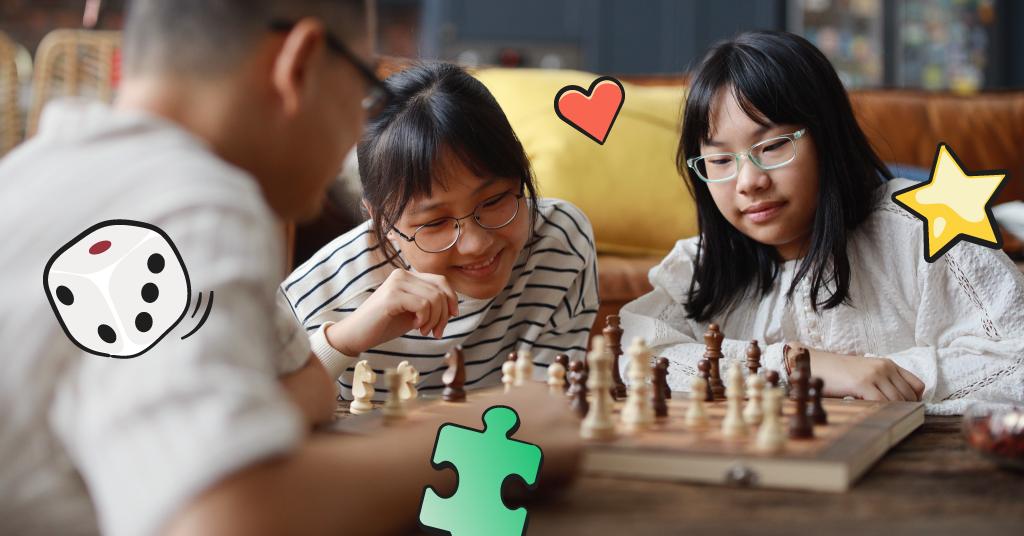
(828, 455)
(857, 435)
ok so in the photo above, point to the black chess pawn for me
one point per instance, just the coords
(800, 426)
(662, 363)
(816, 411)
(657, 395)
(578, 389)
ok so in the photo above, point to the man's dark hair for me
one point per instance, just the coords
(203, 37)
(438, 112)
(778, 78)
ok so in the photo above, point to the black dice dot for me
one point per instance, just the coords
(150, 292)
(107, 334)
(143, 322)
(65, 296)
(156, 263)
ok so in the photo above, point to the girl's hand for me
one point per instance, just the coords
(867, 378)
(404, 302)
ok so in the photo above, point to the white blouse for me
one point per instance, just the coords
(957, 323)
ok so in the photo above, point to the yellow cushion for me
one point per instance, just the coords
(628, 187)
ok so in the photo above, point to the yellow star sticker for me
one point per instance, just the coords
(954, 205)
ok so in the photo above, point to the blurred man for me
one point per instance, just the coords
(233, 115)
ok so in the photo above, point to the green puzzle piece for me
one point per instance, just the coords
(483, 460)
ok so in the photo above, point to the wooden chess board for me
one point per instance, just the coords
(859, 433)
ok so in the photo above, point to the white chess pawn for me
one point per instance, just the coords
(394, 409)
(598, 425)
(508, 374)
(524, 368)
(733, 424)
(556, 379)
(362, 388)
(409, 378)
(637, 414)
(697, 414)
(771, 438)
(753, 414)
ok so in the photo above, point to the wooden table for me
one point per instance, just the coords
(930, 484)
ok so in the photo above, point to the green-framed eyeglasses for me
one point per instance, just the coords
(772, 153)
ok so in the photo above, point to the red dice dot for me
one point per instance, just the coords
(99, 247)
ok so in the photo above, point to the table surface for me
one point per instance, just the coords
(929, 484)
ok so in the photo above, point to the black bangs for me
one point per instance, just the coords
(439, 113)
(778, 78)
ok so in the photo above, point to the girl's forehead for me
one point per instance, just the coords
(729, 121)
(457, 189)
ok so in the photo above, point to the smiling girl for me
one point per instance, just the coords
(458, 249)
(801, 245)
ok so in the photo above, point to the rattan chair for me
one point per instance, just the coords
(10, 117)
(83, 63)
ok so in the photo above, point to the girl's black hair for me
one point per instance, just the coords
(438, 112)
(778, 78)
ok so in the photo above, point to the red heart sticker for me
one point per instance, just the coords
(592, 111)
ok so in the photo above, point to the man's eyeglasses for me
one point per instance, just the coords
(377, 96)
(441, 234)
(768, 154)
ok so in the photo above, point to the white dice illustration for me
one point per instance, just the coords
(118, 288)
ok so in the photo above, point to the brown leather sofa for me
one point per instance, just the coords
(985, 130)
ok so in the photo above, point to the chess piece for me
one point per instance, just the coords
(394, 409)
(662, 362)
(659, 389)
(362, 388)
(524, 368)
(637, 414)
(454, 378)
(800, 425)
(753, 358)
(713, 343)
(697, 414)
(771, 378)
(704, 366)
(613, 336)
(754, 413)
(800, 360)
(578, 389)
(817, 412)
(508, 371)
(556, 378)
(598, 424)
(563, 360)
(410, 377)
(771, 438)
(733, 425)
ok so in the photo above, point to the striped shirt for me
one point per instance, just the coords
(547, 307)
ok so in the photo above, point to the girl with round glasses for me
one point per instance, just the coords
(801, 246)
(457, 250)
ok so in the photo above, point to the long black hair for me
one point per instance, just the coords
(778, 78)
(438, 112)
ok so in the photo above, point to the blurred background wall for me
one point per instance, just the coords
(958, 45)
